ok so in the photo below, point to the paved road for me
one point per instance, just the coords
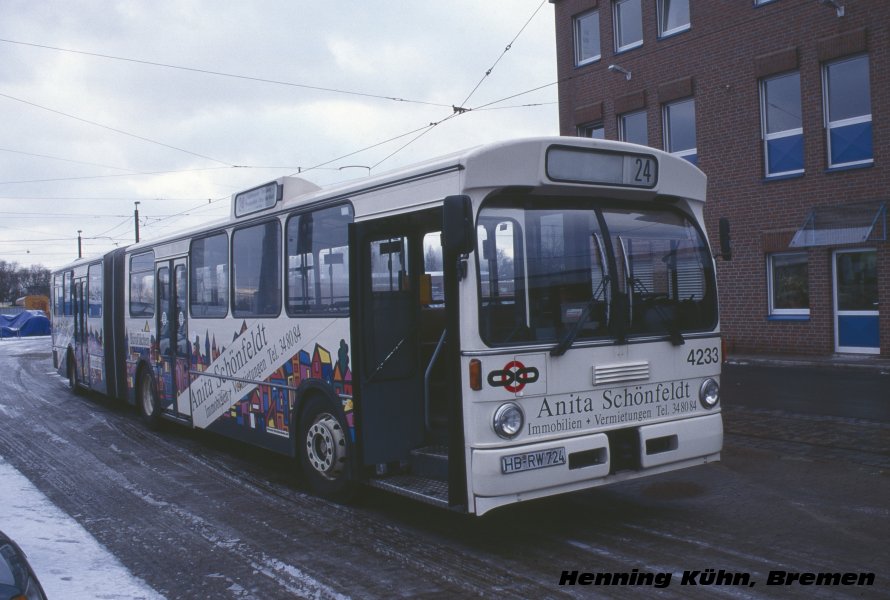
(819, 389)
(199, 517)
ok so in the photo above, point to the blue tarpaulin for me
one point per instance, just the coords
(29, 322)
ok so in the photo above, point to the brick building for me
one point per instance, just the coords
(785, 105)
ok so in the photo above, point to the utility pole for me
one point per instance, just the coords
(79, 253)
(136, 219)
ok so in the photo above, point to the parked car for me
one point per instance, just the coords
(17, 579)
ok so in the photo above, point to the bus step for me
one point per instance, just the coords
(430, 461)
(430, 491)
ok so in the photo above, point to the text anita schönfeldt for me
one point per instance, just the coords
(714, 577)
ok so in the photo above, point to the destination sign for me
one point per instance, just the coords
(583, 165)
(257, 199)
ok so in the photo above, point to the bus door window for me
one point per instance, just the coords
(179, 312)
(164, 311)
(392, 355)
(166, 329)
(80, 319)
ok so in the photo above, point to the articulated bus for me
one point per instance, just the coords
(515, 321)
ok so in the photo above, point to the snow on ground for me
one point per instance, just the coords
(69, 562)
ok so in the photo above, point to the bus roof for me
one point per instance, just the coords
(511, 163)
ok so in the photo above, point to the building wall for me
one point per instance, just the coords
(720, 60)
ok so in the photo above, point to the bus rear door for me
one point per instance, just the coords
(172, 369)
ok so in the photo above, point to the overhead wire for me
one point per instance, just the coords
(231, 75)
(461, 109)
(421, 131)
(79, 162)
(506, 49)
(116, 130)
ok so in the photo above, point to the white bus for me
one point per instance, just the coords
(515, 321)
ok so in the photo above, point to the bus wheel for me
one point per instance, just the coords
(324, 451)
(71, 370)
(149, 407)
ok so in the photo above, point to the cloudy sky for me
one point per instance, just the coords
(177, 104)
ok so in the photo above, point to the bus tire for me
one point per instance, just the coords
(324, 450)
(71, 370)
(147, 403)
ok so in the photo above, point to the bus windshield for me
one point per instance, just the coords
(561, 270)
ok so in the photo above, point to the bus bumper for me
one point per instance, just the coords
(595, 459)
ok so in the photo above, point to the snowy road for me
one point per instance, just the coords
(194, 516)
(70, 562)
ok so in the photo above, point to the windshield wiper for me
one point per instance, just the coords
(674, 334)
(569, 338)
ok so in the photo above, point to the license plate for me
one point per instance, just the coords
(539, 459)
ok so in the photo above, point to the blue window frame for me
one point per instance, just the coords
(679, 129)
(628, 19)
(673, 17)
(587, 38)
(632, 128)
(782, 125)
(847, 96)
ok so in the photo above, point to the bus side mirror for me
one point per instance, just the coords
(725, 242)
(457, 225)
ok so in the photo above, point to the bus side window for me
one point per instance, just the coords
(432, 288)
(318, 262)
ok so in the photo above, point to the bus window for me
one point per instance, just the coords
(318, 262)
(663, 263)
(164, 308)
(432, 286)
(500, 257)
(58, 296)
(142, 285)
(256, 270)
(94, 290)
(389, 265)
(208, 276)
(661, 272)
(68, 293)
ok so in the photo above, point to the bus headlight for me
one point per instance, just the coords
(508, 420)
(709, 393)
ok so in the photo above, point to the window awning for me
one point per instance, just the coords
(845, 224)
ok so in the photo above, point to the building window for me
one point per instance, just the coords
(679, 129)
(587, 38)
(592, 130)
(632, 128)
(782, 125)
(256, 270)
(673, 17)
(847, 96)
(789, 287)
(628, 25)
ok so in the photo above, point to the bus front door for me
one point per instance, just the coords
(385, 278)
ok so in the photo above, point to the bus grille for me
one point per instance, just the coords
(620, 373)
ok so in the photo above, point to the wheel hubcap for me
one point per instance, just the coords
(148, 405)
(326, 446)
